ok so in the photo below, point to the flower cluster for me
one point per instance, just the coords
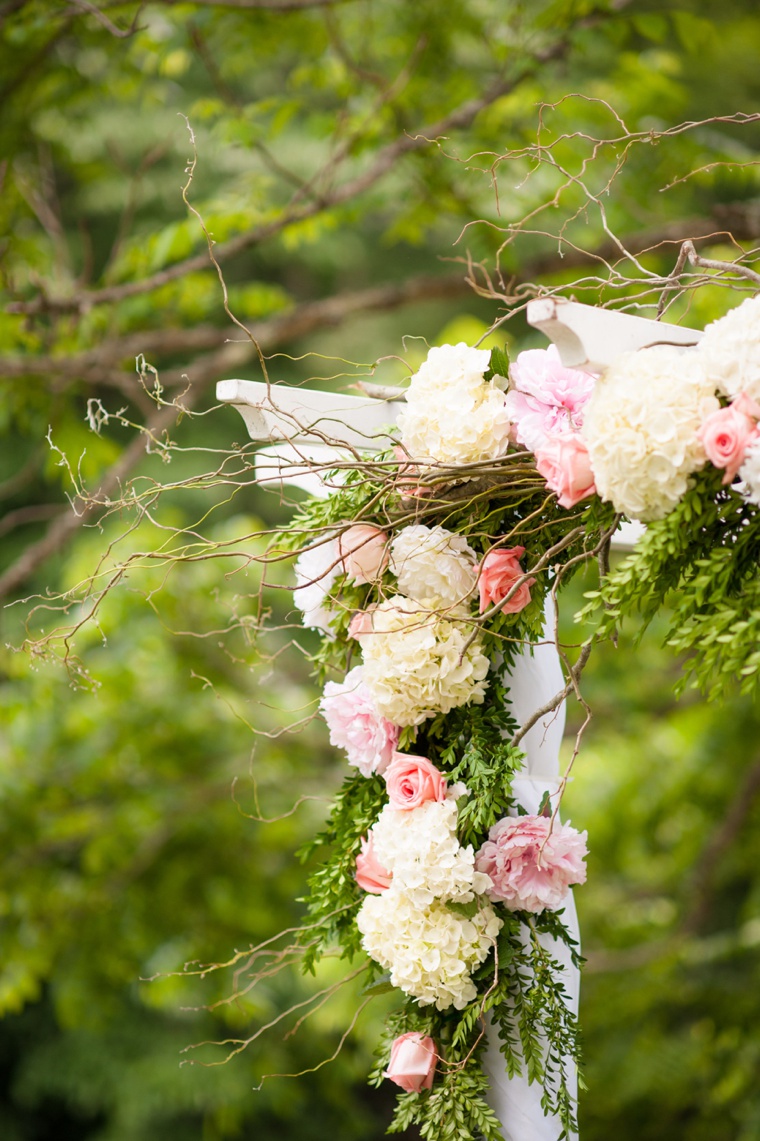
(638, 434)
(412, 864)
(431, 951)
(431, 563)
(642, 429)
(417, 662)
(730, 350)
(316, 570)
(452, 414)
(421, 851)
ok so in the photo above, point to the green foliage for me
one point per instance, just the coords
(499, 363)
(701, 559)
(334, 897)
(470, 746)
(538, 1034)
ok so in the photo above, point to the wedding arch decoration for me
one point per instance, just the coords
(448, 517)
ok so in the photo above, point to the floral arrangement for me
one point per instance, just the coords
(425, 573)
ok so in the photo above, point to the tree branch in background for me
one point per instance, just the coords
(728, 832)
(97, 365)
(458, 119)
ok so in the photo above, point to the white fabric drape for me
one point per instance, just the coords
(535, 679)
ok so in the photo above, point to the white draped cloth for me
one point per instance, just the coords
(535, 679)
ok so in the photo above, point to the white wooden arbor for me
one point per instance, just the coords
(304, 428)
(305, 431)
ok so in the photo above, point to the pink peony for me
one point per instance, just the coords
(356, 726)
(498, 573)
(411, 781)
(364, 552)
(531, 864)
(370, 873)
(564, 463)
(726, 434)
(413, 1062)
(546, 398)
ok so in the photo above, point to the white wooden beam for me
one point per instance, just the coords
(283, 412)
(307, 427)
(592, 338)
(302, 465)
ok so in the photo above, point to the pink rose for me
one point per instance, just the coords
(725, 435)
(564, 463)
(498, 573)
(531, 864)
(363, 552)
(361, 623)
(413, 1062)
(411, 781)
(370, 873)
(356, 726)
(546, 399)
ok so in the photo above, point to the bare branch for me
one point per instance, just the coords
(64, 526)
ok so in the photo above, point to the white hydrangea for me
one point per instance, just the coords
(730, 349)
(415, 662)
(641, 427)
(316, 569)
(749, 473)
(421, 848)
(431, 562)
(430, 952)
(452, 415)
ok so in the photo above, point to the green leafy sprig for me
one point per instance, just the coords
(701, 561)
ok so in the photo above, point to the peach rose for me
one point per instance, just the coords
(498, 573)
(411, 781)
(413, 1062)
(370, 873)
(725, 435)
(407, 477)
(363, 552)
(564, 463)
